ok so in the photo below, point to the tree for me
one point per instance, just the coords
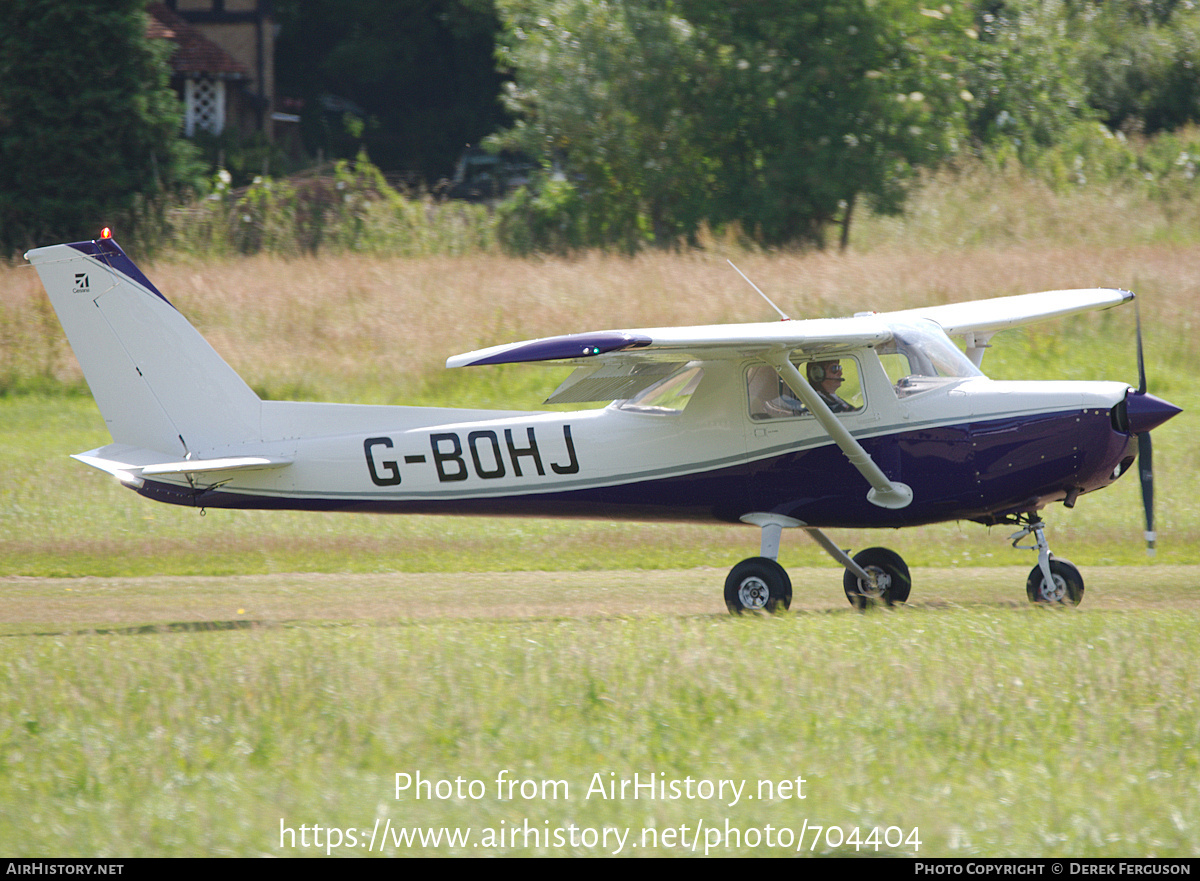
(775, 114)
(1044, 66)
(610, 92)
(417, 77)
(1026, 77)
(1140, 60)
(88, 123)
(830, 102)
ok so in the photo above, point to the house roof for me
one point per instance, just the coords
(196, 53)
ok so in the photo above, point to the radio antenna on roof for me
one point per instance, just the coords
(782, 314)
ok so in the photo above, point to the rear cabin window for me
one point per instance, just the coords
(669, 395)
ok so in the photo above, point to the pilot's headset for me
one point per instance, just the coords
(817, 372)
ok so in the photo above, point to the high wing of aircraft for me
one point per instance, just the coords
(875, 420)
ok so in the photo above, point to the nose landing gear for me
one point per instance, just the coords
(1052, 581)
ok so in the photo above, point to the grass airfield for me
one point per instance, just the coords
(210, 715)
(148, 604)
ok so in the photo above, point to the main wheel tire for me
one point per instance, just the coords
(1067, 589)
(893, 581)
(758, 584)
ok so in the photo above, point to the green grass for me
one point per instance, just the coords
(992, 731)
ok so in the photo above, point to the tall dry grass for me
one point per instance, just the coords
(315, 325)
(979, 204)
(354, 327)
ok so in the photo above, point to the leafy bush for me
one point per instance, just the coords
(548, 219)
(351, 208)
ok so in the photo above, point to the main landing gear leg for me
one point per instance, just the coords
(1052, 581)
(760, 583)
(874, 575)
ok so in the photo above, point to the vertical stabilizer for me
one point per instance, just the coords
(159, 385)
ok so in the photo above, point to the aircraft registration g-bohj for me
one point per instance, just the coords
(876, 420)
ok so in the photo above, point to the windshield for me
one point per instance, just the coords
(921, 356)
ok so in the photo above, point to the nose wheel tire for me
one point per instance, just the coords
(892, 581)
(758, 584)
(1066, 589)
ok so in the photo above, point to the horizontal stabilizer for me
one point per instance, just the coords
(232, 463)
(131, 464)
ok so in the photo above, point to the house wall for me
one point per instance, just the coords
(244, 29)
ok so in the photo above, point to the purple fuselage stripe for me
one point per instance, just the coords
(976, 471)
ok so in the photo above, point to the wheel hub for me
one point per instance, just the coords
(753, 593)
(883, 581)
(1056, 591)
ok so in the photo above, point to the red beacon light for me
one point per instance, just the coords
(106, 233)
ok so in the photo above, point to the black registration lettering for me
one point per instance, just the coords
(391, 470)
(442, 458)
(515, 453)
(486, 455)
(572, 466)
(496, 467)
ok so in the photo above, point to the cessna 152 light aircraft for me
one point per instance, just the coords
(878, 420)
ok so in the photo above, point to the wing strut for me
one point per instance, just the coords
(884, 492)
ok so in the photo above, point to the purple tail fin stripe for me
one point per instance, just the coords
(109, 253)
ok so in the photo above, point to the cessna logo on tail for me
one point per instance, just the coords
(81, 283)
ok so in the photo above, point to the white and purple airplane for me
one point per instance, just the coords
(878, 420)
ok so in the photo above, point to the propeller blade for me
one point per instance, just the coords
(1145, 447)
(1146, 472)
(1137, 311)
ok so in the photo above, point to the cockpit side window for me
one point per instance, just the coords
(836, 380)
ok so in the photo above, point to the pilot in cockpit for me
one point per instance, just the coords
(826, 377)
(770, 397)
